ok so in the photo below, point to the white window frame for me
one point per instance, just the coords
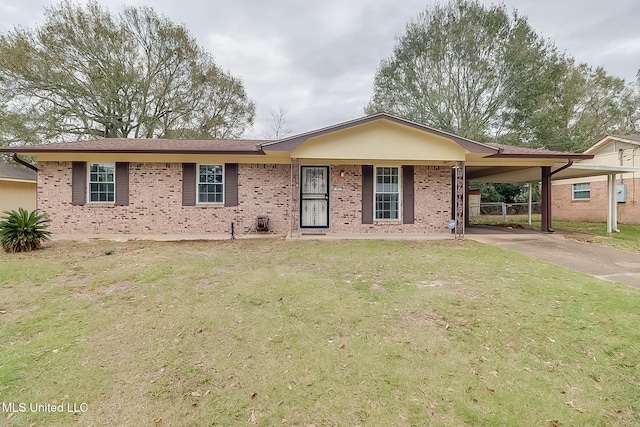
(198, 183)
(575, 190)
(99, 182)
(398, 193)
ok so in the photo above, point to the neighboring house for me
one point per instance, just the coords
(585, 199)
(17, 187)
(378, 174)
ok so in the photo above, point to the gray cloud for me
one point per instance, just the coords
(318, 59)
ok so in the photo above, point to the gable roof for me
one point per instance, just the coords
(145, 146)
(14, 172)
(631, 139)
(290, 143)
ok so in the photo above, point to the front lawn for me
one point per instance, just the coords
(268, 332)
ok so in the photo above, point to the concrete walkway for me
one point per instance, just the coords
(600, 261)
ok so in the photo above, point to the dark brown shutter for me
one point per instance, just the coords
(367, 194)
(122, 184)
(189, 184)
(78, 183)
(231, 184)
(407, 195)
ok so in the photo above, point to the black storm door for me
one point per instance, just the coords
(314, 197)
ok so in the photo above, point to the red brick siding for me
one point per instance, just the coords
(432, 202)
(595, 209)
(155, 202)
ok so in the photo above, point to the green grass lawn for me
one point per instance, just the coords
(267, 332)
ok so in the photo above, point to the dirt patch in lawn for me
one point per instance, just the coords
(420, 316)
(120, 288)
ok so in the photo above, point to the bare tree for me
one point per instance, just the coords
(277, 127)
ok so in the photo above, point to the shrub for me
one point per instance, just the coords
(22, 231)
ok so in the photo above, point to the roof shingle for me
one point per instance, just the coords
(10, 171)
(152, 146)
(517, 151)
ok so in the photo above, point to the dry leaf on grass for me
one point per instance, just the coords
(575, 407)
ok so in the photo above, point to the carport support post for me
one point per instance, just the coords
(612, 204)
(529, 204)
(545, 210)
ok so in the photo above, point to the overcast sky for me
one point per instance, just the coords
(317, 59)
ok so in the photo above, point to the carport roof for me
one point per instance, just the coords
(513, 164)
(518, 152)
(513, 174)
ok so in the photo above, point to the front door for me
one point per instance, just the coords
(314, 197)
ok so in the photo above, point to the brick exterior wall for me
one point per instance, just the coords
(155, 202)
(595, 209)
(432, 193)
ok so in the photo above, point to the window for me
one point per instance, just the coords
(387, 193)
(582, 191)
(210, 184)
(102, 182)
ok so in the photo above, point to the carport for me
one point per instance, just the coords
(520, 165)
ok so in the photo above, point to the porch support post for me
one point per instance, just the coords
(295, 197)
(545, 211)
(460, 199)
(467, 214)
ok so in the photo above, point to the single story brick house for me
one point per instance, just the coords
(17, 187)
(377, 174)
(585, 198)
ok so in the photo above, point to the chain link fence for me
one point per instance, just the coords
(502, 212)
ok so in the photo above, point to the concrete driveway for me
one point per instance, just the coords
(600, 261)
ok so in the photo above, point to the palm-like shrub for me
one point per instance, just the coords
(22, 231)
